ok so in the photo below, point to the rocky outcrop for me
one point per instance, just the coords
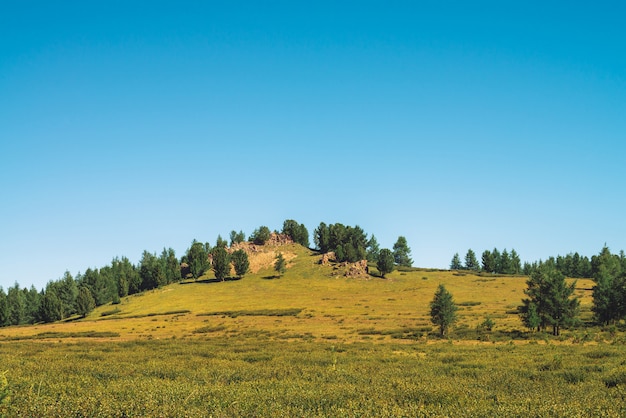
(358, 269)
(328, 258)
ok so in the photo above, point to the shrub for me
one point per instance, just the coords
(615, 379)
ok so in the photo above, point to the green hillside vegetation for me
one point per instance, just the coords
(322, 337)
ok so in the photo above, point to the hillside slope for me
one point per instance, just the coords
(310, 301)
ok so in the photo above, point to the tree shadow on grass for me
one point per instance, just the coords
(273, 277)
(214, 280)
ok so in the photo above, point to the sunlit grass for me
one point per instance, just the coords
(313, 343)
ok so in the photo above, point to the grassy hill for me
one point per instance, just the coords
(310, 301)
(311, 343)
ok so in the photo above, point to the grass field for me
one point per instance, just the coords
(313, 343)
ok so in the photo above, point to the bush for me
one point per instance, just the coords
(615, 379)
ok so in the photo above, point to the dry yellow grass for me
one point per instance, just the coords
(331, 307)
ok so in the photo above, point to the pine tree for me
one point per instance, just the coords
(516, 263)
(221, 263)
(240, 262)
(385, 262)
(443, 310)
(4, 308)
(170, 266)
(50, 309)
(488, 262)
(237, 237)
(84, 302)
(372, 249)
(297, 232)
(609, 292)
(280, 265)
(197, 258)
(455, 264)
(551, 297)
(402, 252)
(261, 235)
(471, 263)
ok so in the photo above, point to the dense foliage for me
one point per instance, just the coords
(71, 296)
(349, 243)
(261, 235)
(297, 232)
(239, 258)
(386, 262)
(550, 302)
(609, 292)
(221, 263)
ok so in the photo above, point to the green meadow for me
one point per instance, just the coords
(310, 343)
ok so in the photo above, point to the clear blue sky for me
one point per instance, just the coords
(131, 126)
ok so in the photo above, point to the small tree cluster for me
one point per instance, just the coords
(501, 262)
(550, 301)
(260, 235)
(237, 237)
(349, 243)
(471, 263)
(297, 232)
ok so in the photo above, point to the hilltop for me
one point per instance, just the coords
(313, 300)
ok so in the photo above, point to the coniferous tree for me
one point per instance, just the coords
(471, 263)
(16, 305)
(349, 243)
(505, 263)
(84, 302)
(4, 308)
(402, 252)
(321, 238)
(373, 249)
(385, 262)
(297, 232)
(221, 242)
(197, 258)
(443, 310)
(221, 263)
(280, 265)
(32, 302)
(455, 264)
(66, 290)
(170, 266)
(516, 263)
(151, 273)
(237, 237)
(131, 275)
(240, 262)
(609, 292)
(51, 309)
(497, 261)
(261, 235)
(530, 316)
(552, 299)
(488, 262)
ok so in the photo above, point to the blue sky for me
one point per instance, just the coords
(130, 127)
